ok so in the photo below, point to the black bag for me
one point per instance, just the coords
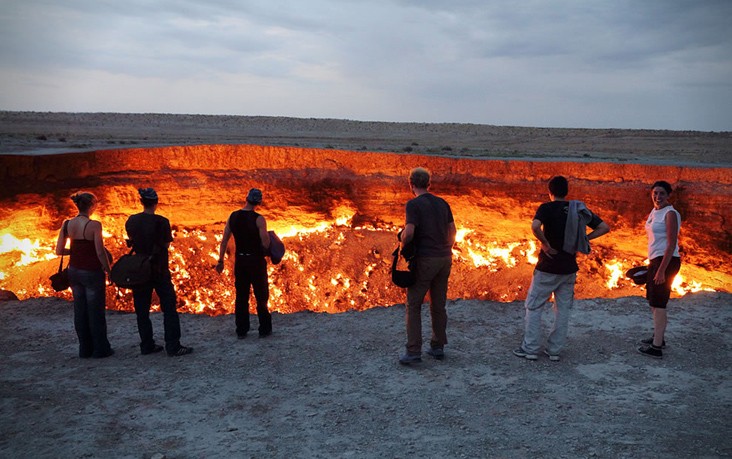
(403, 279)
(639, 274)
(60, 280)
(276, 248)
(132, 270)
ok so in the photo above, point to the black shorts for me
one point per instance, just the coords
(658, 294)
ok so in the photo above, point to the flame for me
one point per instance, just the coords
(30, 252)
(490, 254)
(681, 287)
(321, 281)
(616, 270)
(532, 254)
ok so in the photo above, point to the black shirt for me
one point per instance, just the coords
(553, 217)
(243, 225)
(150, 235)
(431, 217)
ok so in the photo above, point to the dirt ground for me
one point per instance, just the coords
(330, 386)
(327, 386)
(44, 133)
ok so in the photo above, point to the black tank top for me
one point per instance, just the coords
(84, 253)
(243, 225)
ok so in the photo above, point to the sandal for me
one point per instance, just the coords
(182, 350)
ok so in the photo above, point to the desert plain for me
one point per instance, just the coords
(329, 385)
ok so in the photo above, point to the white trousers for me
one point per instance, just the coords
(542, 286)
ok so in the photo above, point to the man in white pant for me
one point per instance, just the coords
(559, 225)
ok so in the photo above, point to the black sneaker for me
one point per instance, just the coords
(182, 350)
(651, 351)
(156, 348)
(649, 342)
(109, 353)
(408, 359)
(436, 352)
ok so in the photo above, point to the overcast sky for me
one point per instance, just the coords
(659, 64)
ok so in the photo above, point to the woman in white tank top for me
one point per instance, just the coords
(662, 227)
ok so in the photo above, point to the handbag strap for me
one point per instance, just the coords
(66, 236)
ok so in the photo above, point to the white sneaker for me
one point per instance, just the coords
(552, 357)
(519, 352)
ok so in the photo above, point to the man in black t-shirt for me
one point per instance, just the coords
(150, 234)
(431, 228)
(559, 225)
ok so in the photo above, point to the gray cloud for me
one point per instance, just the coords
(651, 64)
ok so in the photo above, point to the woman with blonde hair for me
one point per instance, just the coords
(88, 263)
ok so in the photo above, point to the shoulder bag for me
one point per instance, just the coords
(131, 270)
(60, 279)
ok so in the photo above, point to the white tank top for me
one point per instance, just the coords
(656, 231)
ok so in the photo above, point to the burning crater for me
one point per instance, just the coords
(338, 213)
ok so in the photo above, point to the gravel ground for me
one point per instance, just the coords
(330, 386)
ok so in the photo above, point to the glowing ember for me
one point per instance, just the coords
(338, 222)
(615, 268)
(30, 252)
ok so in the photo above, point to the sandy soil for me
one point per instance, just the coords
(330, 386)
(33, 132)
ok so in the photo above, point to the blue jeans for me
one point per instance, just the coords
(142, 297)
(90, 320)
(542, 286)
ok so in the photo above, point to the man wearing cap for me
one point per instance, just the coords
(250, 267)
(150, 234)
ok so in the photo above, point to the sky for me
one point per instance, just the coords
(651, 64)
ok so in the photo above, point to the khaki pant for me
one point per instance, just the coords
(542, 286)
(432, 275)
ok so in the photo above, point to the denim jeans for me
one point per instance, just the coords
(542, 286)
(432, 274)
(250, 273)
(90, 320)
(142, 297)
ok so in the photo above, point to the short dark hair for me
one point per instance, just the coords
(663, 184)
(147, 202)
(419, 177)
(559, 186)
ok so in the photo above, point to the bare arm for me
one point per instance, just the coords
(407, 235)
(672, 230)
(222, 247)
(602, 229)
(61, 242)
(451, 233)
(263, 234)
(96, 228)
(539, 234)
